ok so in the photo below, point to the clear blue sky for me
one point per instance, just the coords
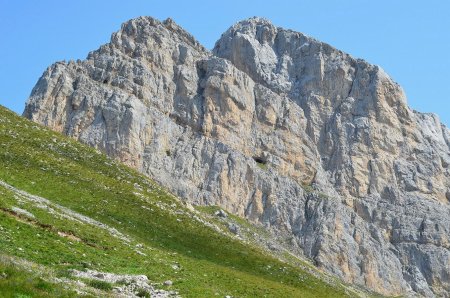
(409, 39)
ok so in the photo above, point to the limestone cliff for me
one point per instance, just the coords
(275, 126)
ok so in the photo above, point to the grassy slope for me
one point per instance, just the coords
(44, 163)
(19, 282)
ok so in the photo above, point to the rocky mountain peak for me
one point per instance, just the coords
(251, 25)
(287, 131)
(279, 57)
(137, 35)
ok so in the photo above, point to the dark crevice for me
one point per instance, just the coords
(260, 160)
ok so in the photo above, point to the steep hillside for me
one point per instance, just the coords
(319, 147)
(69, 215)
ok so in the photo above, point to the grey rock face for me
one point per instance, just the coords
(130, 285)
(277, 127)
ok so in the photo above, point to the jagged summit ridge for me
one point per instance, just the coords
(143, 27)
(277, 127)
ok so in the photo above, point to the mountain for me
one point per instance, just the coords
(277, 127)
(74, 222)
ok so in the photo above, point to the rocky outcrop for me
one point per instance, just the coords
(277, 127)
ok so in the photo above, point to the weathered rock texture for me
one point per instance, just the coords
(277, 127)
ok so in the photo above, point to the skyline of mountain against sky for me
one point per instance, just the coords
(408, 42)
